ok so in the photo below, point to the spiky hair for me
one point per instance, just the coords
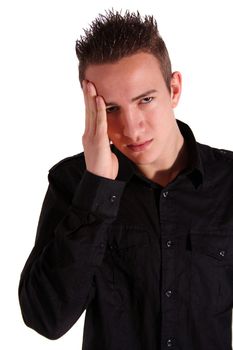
(112, 36)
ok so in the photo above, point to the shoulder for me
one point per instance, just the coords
(224, 154)
(216, 160)
(218, 154)
(67, 173)
(76, 162)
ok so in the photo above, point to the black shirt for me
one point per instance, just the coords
(152, 266)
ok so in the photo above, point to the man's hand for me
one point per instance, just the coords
(98, 155)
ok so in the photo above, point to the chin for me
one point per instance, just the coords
(141, 159)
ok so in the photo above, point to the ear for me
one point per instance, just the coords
(176, 86)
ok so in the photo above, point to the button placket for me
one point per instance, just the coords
(168, 299)
(169, 343)
(169, 313)
(169, 243)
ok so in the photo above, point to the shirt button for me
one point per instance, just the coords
(165, 194)
(168, 293)
(169, 244)
(169, 343)
(222, 253)
(112, 199)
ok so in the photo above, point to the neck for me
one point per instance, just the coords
(171, 166)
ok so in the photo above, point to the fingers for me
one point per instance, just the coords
(99, 158)
(101, 122)
(84, 85)
(91, 109)
(96, 119)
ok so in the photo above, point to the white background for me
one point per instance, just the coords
(42, 113)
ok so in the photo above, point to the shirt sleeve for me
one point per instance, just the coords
(57, 282)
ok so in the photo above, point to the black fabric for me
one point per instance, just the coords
(151, 265)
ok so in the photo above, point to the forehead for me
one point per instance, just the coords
(137, 72)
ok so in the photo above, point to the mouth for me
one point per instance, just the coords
(138, 147)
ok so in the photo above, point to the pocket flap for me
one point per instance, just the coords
(127, 236)
(217, 246)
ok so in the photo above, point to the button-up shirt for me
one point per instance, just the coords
(151, 265)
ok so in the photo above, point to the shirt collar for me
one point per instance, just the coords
(194, 171)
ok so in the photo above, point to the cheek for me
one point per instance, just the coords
(152, 119)
(113, 127)
(161, 112)
(158, 121)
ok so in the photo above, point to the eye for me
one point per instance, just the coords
(146, 100)
(112, 109)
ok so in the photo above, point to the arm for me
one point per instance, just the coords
(57, 282)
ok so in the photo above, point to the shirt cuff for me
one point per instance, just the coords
(98, 195)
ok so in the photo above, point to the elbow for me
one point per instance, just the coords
(48, 330)
(44, 322)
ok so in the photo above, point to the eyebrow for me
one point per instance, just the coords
(144, 94)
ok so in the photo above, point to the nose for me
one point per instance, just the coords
(133, 124)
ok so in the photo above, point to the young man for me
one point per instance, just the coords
(138, 229)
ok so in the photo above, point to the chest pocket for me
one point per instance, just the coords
(127, 237)
(212, 272)
(127, 258)
(218, 247)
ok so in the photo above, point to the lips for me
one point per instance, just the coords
(138, 147)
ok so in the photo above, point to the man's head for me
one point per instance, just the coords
(131, 72)
(114, 36)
